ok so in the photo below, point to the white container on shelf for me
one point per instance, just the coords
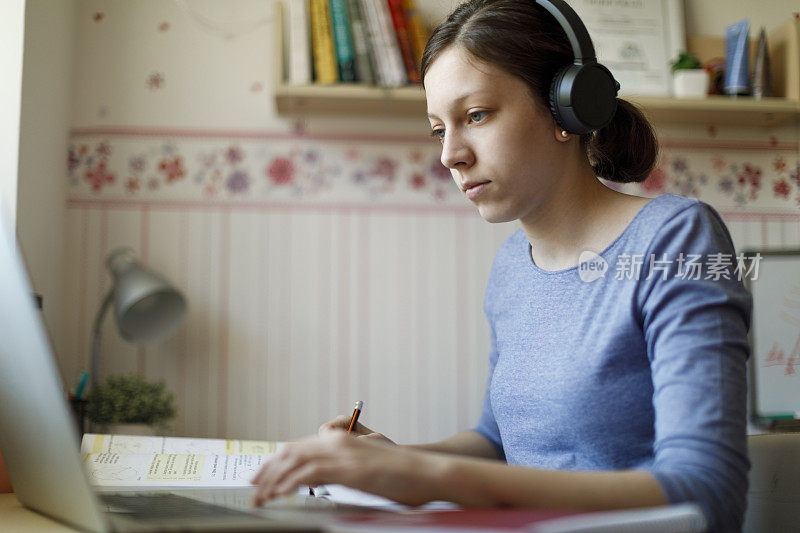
(690, 83)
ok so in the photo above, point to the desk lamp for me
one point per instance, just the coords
(147, 307)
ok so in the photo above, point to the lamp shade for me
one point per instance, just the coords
(146, 306)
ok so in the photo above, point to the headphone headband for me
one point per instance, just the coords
(576, 31)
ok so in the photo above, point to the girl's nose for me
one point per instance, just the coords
(456, 153)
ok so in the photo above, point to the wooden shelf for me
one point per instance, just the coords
(353, 98)
(350, 98)
(341, 99)
(719, 110)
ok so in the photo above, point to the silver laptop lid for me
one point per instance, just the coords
(37, 436)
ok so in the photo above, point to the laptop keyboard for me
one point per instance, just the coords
(157, 506)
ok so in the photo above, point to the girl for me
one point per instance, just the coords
(618, 324)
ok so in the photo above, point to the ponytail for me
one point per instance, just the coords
(624, 151)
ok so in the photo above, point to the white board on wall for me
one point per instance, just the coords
(775, 336)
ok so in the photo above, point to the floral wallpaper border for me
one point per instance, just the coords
(132, 167)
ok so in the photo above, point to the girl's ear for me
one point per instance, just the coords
(561, 134)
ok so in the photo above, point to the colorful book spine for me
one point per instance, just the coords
(389, 50)
(325, 66)
(358, 27)
(375, 43)
(403, 39)
(380, 65)
(299, 43)
(417, 31)
(343, 40)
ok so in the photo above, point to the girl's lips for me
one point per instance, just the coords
(476, 190)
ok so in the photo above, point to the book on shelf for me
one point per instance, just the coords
(343, 40)
(417, 30)
(400, 24)
(297, 42)
(387, 49)
(326, 69)
(374, 42)
(368, 41)
(364, 61)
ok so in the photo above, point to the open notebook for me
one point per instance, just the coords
(125, 462)
(142, 462)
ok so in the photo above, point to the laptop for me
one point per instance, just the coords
(39, 442)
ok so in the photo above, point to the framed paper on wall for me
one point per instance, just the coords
(774, 378)
(636, 40)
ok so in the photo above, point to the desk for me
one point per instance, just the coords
(16, 519)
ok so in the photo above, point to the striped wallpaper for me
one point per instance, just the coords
(293, 316)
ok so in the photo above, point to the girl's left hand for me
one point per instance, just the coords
(403, 475)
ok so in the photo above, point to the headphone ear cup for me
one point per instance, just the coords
(555, 86)
(593, 99)
(583, 98)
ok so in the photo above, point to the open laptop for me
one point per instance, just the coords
(40, 443)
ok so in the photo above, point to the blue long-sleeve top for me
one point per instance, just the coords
(642, 367)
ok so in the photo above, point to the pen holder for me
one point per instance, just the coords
(79, 413)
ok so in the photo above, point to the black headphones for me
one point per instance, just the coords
(583, 95)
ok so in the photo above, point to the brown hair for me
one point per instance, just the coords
(524, 40)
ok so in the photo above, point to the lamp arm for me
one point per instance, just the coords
(98, 322)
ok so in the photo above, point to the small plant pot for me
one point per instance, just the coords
(690, 83)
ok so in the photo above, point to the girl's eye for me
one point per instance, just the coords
(438, 134)
(477, 116)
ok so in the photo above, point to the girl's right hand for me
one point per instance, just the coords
(342, 422)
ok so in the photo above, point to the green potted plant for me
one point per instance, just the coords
(689, 78)
(129, 404)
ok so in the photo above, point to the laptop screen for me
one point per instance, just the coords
(37, 436)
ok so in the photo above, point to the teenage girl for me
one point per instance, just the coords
(618, 336)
